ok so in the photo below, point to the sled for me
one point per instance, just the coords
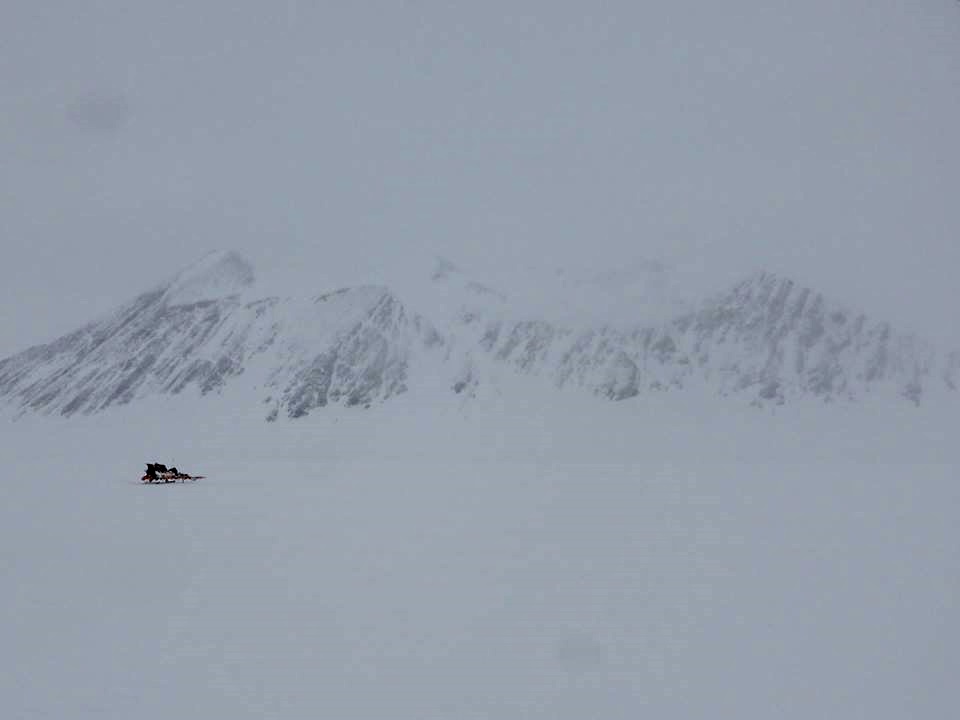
(158, 473)
(164, 478)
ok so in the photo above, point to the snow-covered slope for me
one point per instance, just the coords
(198, 332)
(460, 554)
(766, 341)
(561, 559)
(218, 275)
(773, 338)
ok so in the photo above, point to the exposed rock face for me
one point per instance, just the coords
(148, 346)
(774, 338)
(766, 340)
(350, 347)
(365, 360)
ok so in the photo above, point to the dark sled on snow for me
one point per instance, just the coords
(160, 473)
(163, 479)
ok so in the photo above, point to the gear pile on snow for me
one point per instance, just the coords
(160, 473)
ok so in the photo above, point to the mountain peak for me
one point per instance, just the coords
(443, 269)
(217, 275)
(767, 339)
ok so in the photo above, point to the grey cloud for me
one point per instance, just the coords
(333, 144)
(100, 112)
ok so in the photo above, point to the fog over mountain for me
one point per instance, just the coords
(766, 340)
(334, 145)
(543, 360)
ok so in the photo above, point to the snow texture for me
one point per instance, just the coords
(766, 341)
(479, 542)
(537, 555)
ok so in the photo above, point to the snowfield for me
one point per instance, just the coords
(552, 558)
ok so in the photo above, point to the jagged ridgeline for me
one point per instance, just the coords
(766, 341)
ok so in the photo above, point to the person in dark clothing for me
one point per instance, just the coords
(155, 471)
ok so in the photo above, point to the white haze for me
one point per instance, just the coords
(334, 144)
(533, 553)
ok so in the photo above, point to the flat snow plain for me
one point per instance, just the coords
(554, 558)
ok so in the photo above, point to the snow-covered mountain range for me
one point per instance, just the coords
(766, 341)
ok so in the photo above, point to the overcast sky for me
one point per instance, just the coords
(329, 142)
